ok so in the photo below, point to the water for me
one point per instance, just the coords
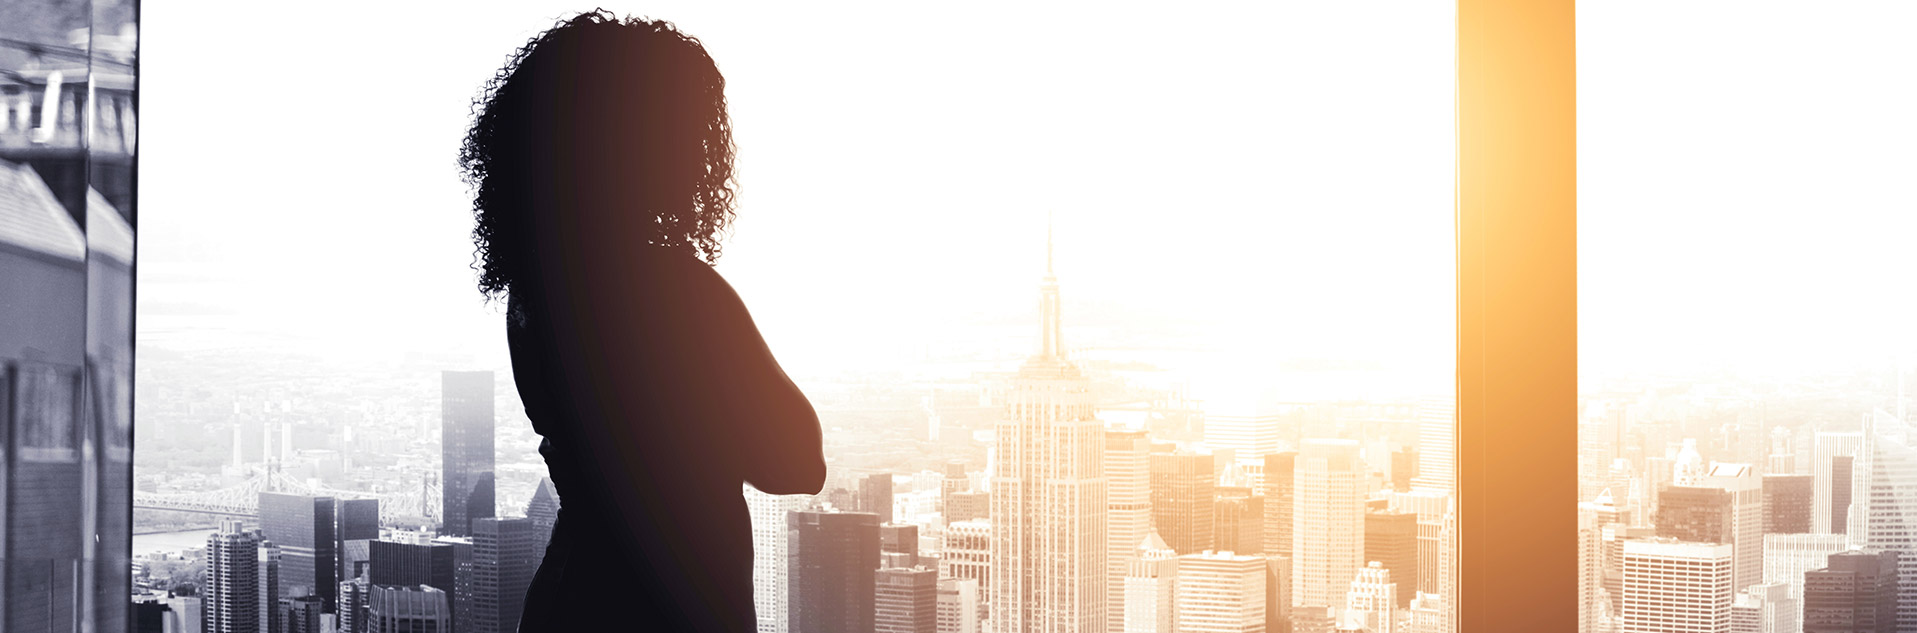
(159, 542)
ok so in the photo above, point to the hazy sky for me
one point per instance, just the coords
(1276, 179)
(1745, 184)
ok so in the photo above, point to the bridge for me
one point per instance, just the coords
(411, 507)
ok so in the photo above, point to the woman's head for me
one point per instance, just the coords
(602, 127)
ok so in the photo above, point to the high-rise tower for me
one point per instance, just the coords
(1048, 493)
(466, 449)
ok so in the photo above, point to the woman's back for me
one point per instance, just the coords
(657, 400)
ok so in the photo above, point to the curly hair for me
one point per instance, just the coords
(583, 104)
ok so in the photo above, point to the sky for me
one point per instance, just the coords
(1273, 181)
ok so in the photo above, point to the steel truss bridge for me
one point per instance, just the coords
(408, 507)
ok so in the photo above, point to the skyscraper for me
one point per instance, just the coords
(1746, 491)
(902, 539)
(875, 496)
(1249, 429)
(353, 595)
(416, 609)
(1391, 539)
(1765, 608)
(543, 509)
(505, 555)
(835, 561)
(1128, 505)
(1670, 582)
(1787, 503)
(304, 529)
(1279, 469)
(1437, 444)
(968, 554)
(770, 560)
(357, 525)
(1151, 582)
(231, 595)
(1787, 557)
(1048, 493)
(1184, 486)
(1238, 521)
(1832, 458)
(958, 608)
(1328, 533)
(1697, 514)
(466, 449)
(399, 564)
(269, 592)
(464, 581)
(1884, 504)
(1221, 592)
(1370, 601)
(1855, 593)
(905, 600)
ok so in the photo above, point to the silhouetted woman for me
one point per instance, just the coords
(601, 158)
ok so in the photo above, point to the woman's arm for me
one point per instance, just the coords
(782, 449)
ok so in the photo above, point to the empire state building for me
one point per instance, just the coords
(1048, 493)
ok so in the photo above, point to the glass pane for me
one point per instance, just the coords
(1744, 351)
(1126, 321)
(67, 105)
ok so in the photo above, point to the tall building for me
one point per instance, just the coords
(416, 609)
(1371, 601)
(1787, 557)
(1437, 445)
(901, 539)
(304, 529)
(543, 509)
(958, 606)
(1248, 429)
(1277, 594)
(875, 496)
(399, 564)
(353, 595)
(1238, 521)
(1391, 539)
(954, 482)
(1787, 503)
(1220, 592)
(1832, 458)
(231, 593)
(1048, 493)
(1151, 586)
(1696, 514)
(357, 525)
(1328, 524)
(968, 554)
(301, 614)
(835, 559)
(770, 562)
(905, 600)
(1128, 504)
(1183, 488)
(1279, 469)
(1884, 502)
(269, 592)
(1855, 593)
(1430, 507)
(1670, 583)
(505, 555)
(466, 450)
(1746, 490)
(1765, 608)
(464, 582)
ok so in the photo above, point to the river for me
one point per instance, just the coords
(158, 542)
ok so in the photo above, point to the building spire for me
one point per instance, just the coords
(1049, 326)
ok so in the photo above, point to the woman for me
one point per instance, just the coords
(601, 161)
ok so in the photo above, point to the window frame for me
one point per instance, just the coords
(1516, 211)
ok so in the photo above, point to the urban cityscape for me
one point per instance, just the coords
(1059, 493)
